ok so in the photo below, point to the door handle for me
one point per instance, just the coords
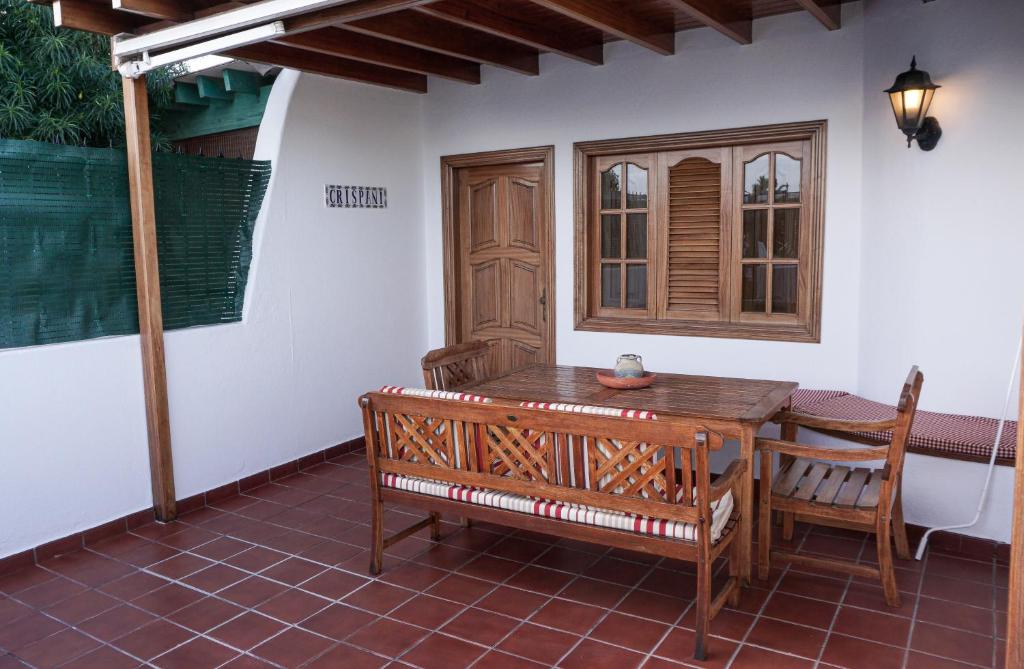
(544, 303)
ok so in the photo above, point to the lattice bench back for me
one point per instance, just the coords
(601, 461)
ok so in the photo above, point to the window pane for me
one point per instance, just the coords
(755, 181)
(784, 289)
(786, 233)
(611, 289)
(754, 288)
(787, 178)
(636, 235)
(636, 286)
(611, 188)
(611, 236)
(755, 233)
(636, 187)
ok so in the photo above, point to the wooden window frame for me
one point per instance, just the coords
(804, 327)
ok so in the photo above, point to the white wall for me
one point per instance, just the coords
(317, 331)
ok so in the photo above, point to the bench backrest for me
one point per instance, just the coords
(452, 366)
(644, 466)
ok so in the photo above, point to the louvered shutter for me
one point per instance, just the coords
(694, 238)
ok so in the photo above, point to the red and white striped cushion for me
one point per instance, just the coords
(942, 433)
(577, 513)
(435, 394)
(639, 414)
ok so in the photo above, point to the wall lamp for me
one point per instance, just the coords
(911, 96)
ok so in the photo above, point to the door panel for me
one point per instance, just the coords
(504, 239)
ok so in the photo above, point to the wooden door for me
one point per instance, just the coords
(504, 248)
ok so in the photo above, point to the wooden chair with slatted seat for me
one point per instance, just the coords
(810, 487)
(451, 366)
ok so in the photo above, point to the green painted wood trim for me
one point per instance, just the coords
(188, 94)
(237, 81)
(212, 88)
(244, 111)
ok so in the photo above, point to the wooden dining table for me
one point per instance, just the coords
(735, 408)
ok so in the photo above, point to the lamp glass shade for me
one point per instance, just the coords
(911, 96)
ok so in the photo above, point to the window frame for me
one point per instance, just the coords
(805, 326)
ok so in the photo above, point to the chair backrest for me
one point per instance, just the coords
(906, 409)
(610, 462)
(451, 366)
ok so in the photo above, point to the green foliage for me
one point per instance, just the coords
(56, 85)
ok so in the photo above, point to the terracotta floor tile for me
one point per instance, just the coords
(566, 559)
(81, 607)
(293, 571)
(871, 597)
(787, 638)
(498, 660)
(413, 575)
(348, 657)
(540, 580)
(133, 585)
(520, 550)
(653, 606)
(104, 657)
(480, 626)
(116, 622)
(568, 616)
(634, 633)
(592, 654)
(378, 597)
(967, 618)
(727, 624)
(50, 592)
(617, 571)
(153, 639)
(214, 578)
(387, 637)
(598, 593)
(460, 588)
(752, 657)
(956, 590)
(293, 605)
(815, 587)
(952, 643)
(426, 611)
(679, 646)
(168, 599)
(252, 591)
(256, 559)
(873, 626)
(180, 566)
(27, 630)
(246, 631)
(221, 548)
(490, 568)
(337, 621)
(292, 648)
(199, 653)
(58, 648)
(952, 567)
(800, 610)
(538, 643)
(24, 579)
(205, 614)
(844, 651)
(87, 567)
(334, 583)
(443, 652)
(917, 660)
(11, 610)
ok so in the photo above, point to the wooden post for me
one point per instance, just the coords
(147, 284)
(1015, 607)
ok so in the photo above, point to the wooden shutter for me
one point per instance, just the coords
(694, 238)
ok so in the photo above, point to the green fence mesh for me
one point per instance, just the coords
(66, 261)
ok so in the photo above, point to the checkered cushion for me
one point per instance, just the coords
(638, 414)
(577, 513)
(935, 433)
(435, 394)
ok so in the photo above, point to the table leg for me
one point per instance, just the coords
(747, 519)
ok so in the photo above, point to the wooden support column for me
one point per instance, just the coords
(147, 284)
(1015, 607)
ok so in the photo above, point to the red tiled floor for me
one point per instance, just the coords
(276, 577)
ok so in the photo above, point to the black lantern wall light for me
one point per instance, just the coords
(911, 96)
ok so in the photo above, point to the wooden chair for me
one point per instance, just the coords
(451, 366)
(810, 488)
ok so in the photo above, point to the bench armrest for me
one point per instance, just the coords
(728, 480)
(833, 424)
(821, 453)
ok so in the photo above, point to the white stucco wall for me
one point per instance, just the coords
(920, 257)
(328, 315)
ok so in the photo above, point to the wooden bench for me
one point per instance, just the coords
(621, 478)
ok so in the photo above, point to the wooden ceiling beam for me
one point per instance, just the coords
(353, 11)
(451, 39)
(349, 44)
(616, 18)
(172, 10)
(734, 23)
(94, 18)
(331, 66)
(480, 17)
(828, 12)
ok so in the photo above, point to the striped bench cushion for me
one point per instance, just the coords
(638, 414)
(435, 394)
(935, 433)
(577, 513)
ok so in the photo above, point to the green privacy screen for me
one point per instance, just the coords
(66, 260)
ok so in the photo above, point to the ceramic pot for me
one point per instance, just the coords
(629, 365)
